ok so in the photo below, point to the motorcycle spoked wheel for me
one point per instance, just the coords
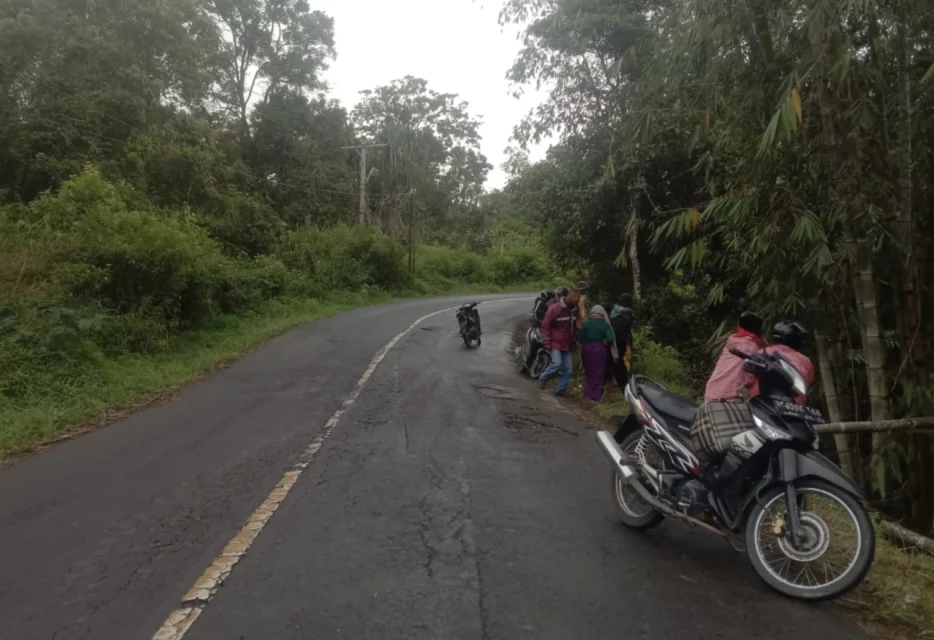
(807, 570)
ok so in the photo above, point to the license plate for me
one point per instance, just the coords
(801, 412)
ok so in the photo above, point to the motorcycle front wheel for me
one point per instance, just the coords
(836, 547)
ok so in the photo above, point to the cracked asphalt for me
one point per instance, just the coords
(453, 501)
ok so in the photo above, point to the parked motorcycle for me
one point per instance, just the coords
(468, 319)
(533, 358)
(799, 517)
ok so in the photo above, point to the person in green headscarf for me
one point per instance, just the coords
(597, 339)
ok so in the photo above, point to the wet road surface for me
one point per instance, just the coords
(453, 499)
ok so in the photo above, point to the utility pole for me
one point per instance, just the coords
(361, 149)
(412, 233)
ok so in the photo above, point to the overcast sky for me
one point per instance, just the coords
(456, 45)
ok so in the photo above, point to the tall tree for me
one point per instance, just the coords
(434, 148)
(269, 46)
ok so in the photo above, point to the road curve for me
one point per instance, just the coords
(452, 500)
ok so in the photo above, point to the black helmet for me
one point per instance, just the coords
(560, 292)
(751, 322)
(790, 334)
(625, 300)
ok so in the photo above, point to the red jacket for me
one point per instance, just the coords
(729, 381)
(558, 326)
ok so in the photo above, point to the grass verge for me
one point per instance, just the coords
(66, 404)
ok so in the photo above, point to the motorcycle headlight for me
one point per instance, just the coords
(769, 431)
(797, 380)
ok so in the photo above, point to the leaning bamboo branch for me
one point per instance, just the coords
(904, 424)
(898, 533)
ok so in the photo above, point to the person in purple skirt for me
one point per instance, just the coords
(596, 337)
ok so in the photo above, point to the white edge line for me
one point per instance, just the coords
(180, 621)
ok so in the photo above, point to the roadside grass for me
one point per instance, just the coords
(899, 590)
(63, 403)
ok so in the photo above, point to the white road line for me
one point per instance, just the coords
(205, 587)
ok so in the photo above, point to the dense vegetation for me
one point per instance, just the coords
(775, 155)
(175, 186)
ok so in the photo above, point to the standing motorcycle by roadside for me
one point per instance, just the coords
(800, 518)
(468, 319)
(532, 357)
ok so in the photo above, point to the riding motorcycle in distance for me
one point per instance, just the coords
(468, 319)
(800, 518)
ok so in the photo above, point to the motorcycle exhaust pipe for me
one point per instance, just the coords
(615, 454)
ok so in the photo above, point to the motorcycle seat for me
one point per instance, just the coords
(670, 404)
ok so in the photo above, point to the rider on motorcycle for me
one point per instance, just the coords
(729, 381)
(724, 413)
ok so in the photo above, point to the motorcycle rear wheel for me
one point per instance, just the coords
(632, 511)
(801, 571)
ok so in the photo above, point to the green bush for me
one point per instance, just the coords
(659, 362)
(345, 257)
(140, 262)
(451, 264)
(518, 265)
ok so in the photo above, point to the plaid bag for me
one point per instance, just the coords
(715, 426)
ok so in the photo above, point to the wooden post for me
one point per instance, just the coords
(361, 149)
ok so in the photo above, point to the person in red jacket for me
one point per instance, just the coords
(558, 337)
(730, 382)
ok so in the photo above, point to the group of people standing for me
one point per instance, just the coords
(605, 340)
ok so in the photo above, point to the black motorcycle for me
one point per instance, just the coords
(799, 517)
(532, 357)
(468, 319)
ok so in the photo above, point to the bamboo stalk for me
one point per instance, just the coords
(880, 426)
(829, 386)
(907, 537)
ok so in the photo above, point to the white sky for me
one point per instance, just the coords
(456, 45)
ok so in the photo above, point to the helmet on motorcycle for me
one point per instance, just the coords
(560, 292)
(790, 334)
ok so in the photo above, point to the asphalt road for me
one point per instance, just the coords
(453, 500)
